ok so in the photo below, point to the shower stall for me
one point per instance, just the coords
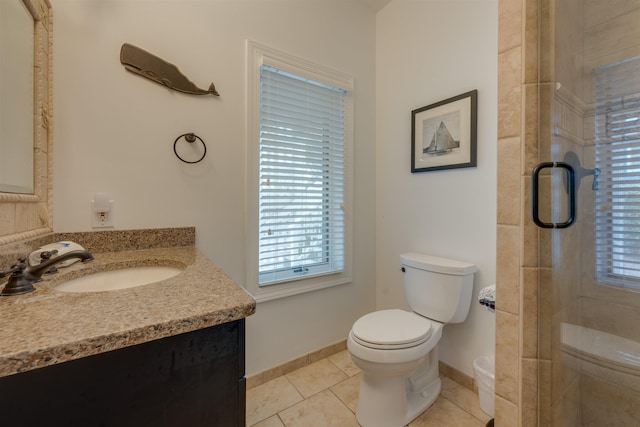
(585, 197)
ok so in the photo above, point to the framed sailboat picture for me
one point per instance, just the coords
(444, 134)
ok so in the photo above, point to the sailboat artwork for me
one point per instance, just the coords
(441, 143)
(444, 134)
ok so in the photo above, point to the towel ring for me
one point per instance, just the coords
(190, 138)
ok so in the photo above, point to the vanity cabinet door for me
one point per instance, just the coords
(193, 379)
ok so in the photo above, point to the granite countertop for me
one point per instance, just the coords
(46, 326)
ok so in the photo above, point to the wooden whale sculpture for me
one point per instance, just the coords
(145, 64)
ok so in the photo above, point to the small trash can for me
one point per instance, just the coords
(485, 375)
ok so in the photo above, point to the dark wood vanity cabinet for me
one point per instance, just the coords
(188, 380)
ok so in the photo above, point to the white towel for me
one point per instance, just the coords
(487, 297)
(55, 250)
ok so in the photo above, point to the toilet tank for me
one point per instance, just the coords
(438, 288)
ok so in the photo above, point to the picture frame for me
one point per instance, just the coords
(444, 134)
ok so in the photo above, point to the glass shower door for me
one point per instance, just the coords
(589, 272)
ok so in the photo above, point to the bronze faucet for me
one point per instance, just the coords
(23, 276)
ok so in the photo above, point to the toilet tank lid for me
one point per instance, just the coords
(437, 264)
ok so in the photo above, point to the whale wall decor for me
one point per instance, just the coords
(145, 64)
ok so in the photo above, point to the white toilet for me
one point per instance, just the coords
(396, 349)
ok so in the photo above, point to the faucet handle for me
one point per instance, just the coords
(47, 255)
(17, 284)
(15, 268)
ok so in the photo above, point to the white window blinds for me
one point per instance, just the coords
(302, 177)
(617, 103)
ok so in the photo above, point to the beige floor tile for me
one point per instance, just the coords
(270, 398)
(270, 422)
(322, 410)
(331, 387)
(464, 398)
(316, 377)
(343, 361)
(348, 391)
(443, 413)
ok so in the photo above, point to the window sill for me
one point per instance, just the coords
(283, 290)
(617, 284)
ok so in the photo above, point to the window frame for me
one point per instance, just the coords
(613, 100)
(257, 56)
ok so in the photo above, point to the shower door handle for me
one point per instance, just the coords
(571, 193)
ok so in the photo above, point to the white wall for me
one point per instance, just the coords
(428, 51)
(114, 132)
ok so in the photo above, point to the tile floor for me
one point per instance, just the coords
(325, 394)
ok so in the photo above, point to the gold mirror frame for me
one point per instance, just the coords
(23, 216)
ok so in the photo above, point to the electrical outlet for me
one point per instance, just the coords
(102, 219)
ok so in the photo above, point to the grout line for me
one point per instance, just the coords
(290, 406)
(340, 400)
(461, 407)
(296, 388)
(319, 391)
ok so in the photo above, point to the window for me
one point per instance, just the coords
(299, 180)
(617, 103)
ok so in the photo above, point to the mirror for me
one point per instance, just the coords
(25, 105)
(16, 97)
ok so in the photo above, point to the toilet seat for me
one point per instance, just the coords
(391, 329)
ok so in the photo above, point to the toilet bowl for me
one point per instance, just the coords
(400, 375)
(396, 350)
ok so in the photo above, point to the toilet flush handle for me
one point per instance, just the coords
(402, 269)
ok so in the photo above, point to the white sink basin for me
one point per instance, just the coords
(119, 279)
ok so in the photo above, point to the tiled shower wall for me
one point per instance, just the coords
(611, 33)
(517, 237)
(592, 33)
